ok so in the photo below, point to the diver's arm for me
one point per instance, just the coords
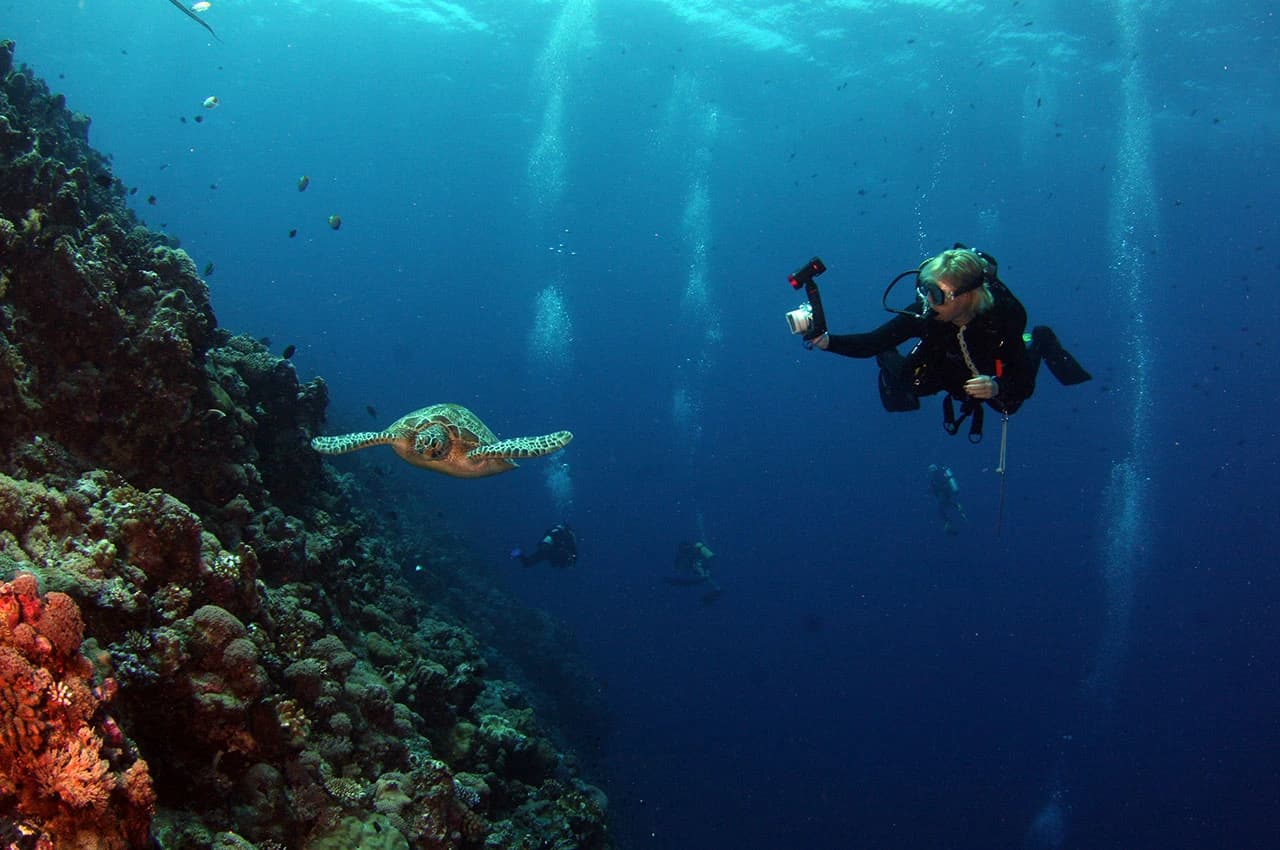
(1017, 379)
(891, 334)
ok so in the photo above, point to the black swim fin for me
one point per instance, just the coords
(1064, 367)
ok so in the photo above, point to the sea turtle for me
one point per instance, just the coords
(447, 438)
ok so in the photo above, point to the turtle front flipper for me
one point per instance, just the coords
(343, 443)
(523, 446)
(432, 441)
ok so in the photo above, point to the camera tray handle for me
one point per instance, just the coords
(819, 317)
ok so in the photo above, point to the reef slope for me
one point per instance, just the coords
(256, 670)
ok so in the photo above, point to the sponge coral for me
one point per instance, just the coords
(57, 769)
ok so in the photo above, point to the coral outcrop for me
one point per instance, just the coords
(66, 770)
(256, 666)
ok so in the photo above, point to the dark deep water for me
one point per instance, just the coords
(581, 215)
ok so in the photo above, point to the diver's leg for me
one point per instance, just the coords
(1034, 355)
(1064, 367)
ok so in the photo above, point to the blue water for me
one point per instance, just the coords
(581, 215)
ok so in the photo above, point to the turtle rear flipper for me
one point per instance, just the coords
(343, 443)
(523, 446)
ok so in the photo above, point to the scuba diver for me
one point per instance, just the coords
(558, 547)
(942, 481)
(972, 343)
(692, 568)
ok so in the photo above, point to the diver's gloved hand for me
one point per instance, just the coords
(822, 340)
(983, 387)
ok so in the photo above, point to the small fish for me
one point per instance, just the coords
(208, 269)
(133, 190)
(293, 233)
(369, 409)
(151, 199)
(335, 221)
(193, 16)
(182, 118)
(211, 101)
(303, 182)
(202, 6)
(289, 351)
(265, 340)
(199, 119)
(213, 185)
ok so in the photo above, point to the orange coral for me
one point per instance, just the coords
(75, 772)
(21, 726)
(54, 766)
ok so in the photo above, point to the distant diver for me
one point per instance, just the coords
(692, 567)
(558, 547)
(193, 16)
(946, 491)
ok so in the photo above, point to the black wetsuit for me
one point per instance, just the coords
(994, 340)
(558, 547)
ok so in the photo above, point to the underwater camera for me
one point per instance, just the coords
(808, 319)
(800, 320)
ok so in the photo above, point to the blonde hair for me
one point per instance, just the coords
(963, 269)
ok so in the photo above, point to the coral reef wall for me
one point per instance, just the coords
(256, 670)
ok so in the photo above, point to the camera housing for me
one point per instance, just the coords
(800, 320)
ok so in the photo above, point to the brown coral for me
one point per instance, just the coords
(215, 627)
(61, 623)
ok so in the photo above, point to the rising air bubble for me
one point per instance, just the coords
(551, 340)
(560, 486)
